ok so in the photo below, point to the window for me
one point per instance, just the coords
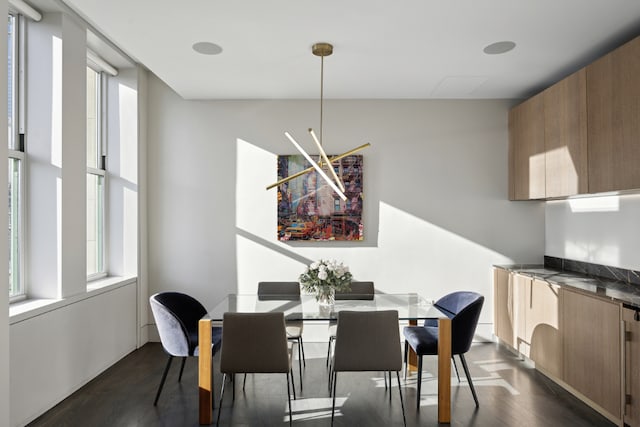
(95, 177)
(16, 162)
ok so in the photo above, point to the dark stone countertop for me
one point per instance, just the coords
(618, 291)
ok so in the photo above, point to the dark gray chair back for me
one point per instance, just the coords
(254, 343)
(358, 291)
(367, 341)
(278, 291)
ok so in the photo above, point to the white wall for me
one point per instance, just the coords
(57, 352)
(436, 213)
(68, 331)
(601, 230)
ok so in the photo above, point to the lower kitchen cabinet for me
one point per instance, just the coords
(574, 338)
(631, 318)
(592, 350)
(503, 303)
(544, 326)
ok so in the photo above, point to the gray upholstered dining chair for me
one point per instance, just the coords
(255, 343)
(176, 316)
(367, 341)
(286, 291)
(358, 291)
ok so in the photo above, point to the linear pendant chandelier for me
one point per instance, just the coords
(321, 50)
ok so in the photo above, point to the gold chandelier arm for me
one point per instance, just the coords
(326, 159)
(316, 167)
(307, 170)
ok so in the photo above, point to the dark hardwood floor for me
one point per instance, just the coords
(510, 394)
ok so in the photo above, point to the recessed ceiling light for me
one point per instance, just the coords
(499, 47)
(207, 48)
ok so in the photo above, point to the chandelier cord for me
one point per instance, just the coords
(321, 92)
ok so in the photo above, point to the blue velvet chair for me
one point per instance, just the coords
(177, 317)
(463, 308)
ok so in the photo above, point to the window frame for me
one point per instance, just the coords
(16, 151)
(100, 170)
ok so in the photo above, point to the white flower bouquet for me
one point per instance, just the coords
(323, 278)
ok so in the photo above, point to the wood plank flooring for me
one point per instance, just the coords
(510, 394)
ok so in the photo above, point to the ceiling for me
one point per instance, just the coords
(409, 49)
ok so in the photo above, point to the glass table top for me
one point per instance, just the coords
(305, 307)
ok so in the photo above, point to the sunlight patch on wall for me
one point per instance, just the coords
(130, 231)
(595, 204)
(56, 102)
(256, 208)
(128, 121)
(430, 256)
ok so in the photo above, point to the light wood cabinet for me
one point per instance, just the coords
(613, 119)
(544, 327)
(526, 150)
(631, 318)
(503, 304)
(592, 350)
(581, 135)
(528, 319)
(565, 136)
(521, 287)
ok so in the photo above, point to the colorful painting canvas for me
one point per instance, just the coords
(308, 209)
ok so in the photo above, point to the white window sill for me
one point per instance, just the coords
(20, 311)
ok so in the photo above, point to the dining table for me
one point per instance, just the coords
(411, 308)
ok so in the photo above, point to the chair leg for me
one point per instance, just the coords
(333, 405)
(455, 365)
(329, 350)
(404, 418)
(304, 360)
(293, 384)
(406, 358)
(289, 393)
(213, 387)
(300, 359)
(164, 377)
(419, 382)
(389, 385)
(224, 378)
(384, 374)
(233, 387)
(184, 359)
(244, 382)
(466, 371)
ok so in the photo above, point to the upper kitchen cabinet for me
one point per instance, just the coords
(613, 119)
(526, 150)
(565, 137)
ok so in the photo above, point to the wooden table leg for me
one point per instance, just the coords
(204, 371)
(412, 363)
(444, 370)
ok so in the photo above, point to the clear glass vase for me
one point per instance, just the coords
(326, 296)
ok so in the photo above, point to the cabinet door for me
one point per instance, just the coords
(544, 326)
(592, 349)
(503, 306)
(632, 367)
(613, 119)
(565, 136)
(526, 150)
(521, 287)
